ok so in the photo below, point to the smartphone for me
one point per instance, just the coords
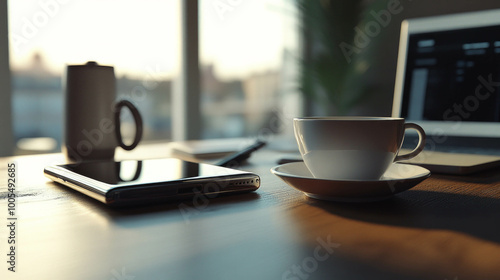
(153, 180)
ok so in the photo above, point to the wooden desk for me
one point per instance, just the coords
(445, 228)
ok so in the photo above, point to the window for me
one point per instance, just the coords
(248, 57)
(136, 37)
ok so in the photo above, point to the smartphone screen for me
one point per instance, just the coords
(147, 180)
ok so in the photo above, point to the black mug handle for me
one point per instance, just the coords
(138, 171)
(138, 124)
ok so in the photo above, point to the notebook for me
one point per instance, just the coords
(448, 82)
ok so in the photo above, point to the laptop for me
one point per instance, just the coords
(448, 82)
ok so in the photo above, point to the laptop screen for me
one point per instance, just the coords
(448, 77)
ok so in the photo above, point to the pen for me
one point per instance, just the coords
(237, 158)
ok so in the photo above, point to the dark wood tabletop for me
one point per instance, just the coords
(447, 227)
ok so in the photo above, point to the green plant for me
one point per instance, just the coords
(331, 74)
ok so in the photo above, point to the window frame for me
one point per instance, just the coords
(186, 117)
(7, 139)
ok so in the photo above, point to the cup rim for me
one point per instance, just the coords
(348, 118)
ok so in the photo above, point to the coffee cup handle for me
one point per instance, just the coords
(138, 124)
(420, 145)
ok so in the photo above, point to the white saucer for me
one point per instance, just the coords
(398, 178)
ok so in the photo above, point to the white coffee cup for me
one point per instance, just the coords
(352, 148)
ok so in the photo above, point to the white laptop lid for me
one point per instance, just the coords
(448, 74)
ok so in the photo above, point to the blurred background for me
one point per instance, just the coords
(262, 62)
